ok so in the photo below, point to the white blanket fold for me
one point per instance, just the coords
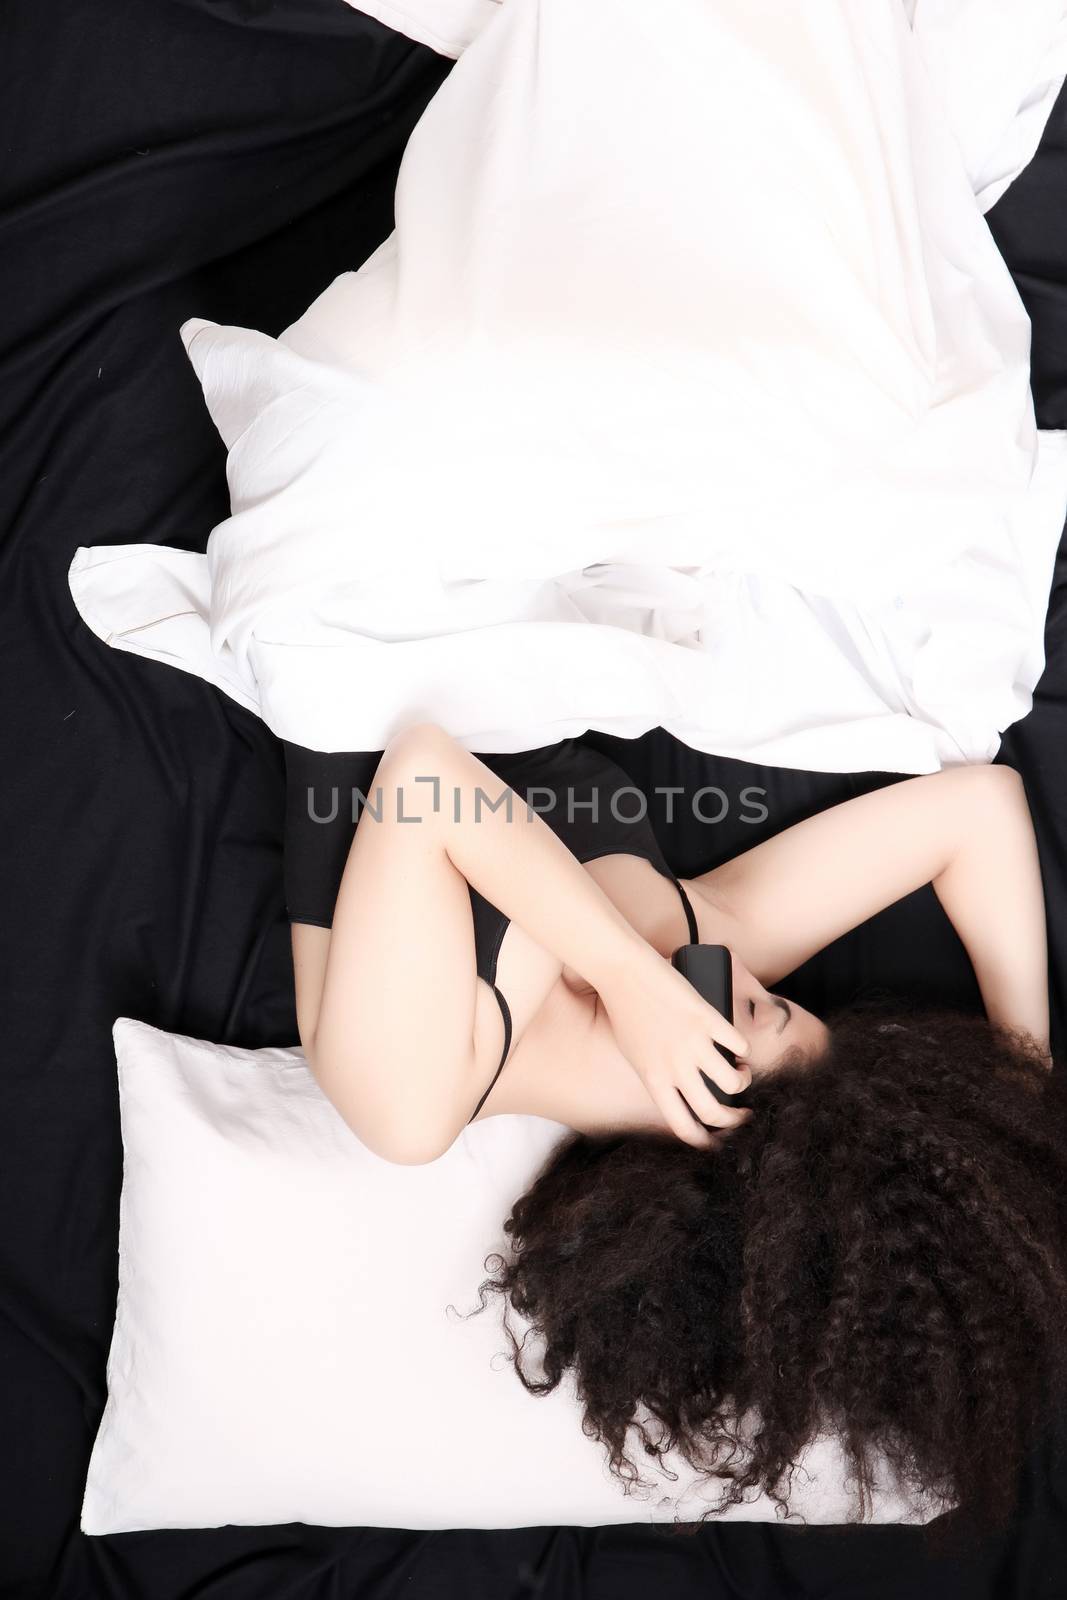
(690, 390)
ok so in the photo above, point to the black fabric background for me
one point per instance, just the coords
(169, 158)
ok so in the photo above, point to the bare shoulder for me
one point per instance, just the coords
(710, 904)
(546, 1051)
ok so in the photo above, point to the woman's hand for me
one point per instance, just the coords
(668, 1033)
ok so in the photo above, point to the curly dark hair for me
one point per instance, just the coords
(878, 1252)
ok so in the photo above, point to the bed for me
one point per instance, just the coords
(228, 159)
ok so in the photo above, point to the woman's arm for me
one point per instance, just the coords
(965, 830)
(393, 1039)
(991, 890)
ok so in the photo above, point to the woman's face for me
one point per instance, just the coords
(773, 1026)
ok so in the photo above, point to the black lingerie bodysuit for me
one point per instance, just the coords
(583, 796)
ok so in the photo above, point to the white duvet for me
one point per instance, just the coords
(690, 390)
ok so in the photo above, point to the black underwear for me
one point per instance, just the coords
(585, 798)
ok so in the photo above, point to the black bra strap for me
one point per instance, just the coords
(505, 1012)
(690, 915)
(505, 1009)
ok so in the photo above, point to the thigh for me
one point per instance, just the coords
(396, 1024)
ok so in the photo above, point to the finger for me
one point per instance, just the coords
(725, 1033)
(730, 1079)
(680, 1119)
(704, 1105)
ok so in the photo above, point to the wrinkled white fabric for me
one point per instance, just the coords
(689, 390)
(997, 68)
(447, 26)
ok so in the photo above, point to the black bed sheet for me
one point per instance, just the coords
(170, 158)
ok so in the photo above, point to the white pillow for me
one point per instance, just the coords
(283, 1349)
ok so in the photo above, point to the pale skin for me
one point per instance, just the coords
(403, 1036)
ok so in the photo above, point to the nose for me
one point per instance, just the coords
(767, 1014)
(755, 1012)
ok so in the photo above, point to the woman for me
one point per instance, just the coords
(876, 1246)
(595, 1028)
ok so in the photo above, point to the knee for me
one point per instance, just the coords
(405, 1145)
(384, 1125)
(419, 744)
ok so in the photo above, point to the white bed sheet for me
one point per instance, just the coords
(700, 400)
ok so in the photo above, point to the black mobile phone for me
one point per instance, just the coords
(709, 969)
